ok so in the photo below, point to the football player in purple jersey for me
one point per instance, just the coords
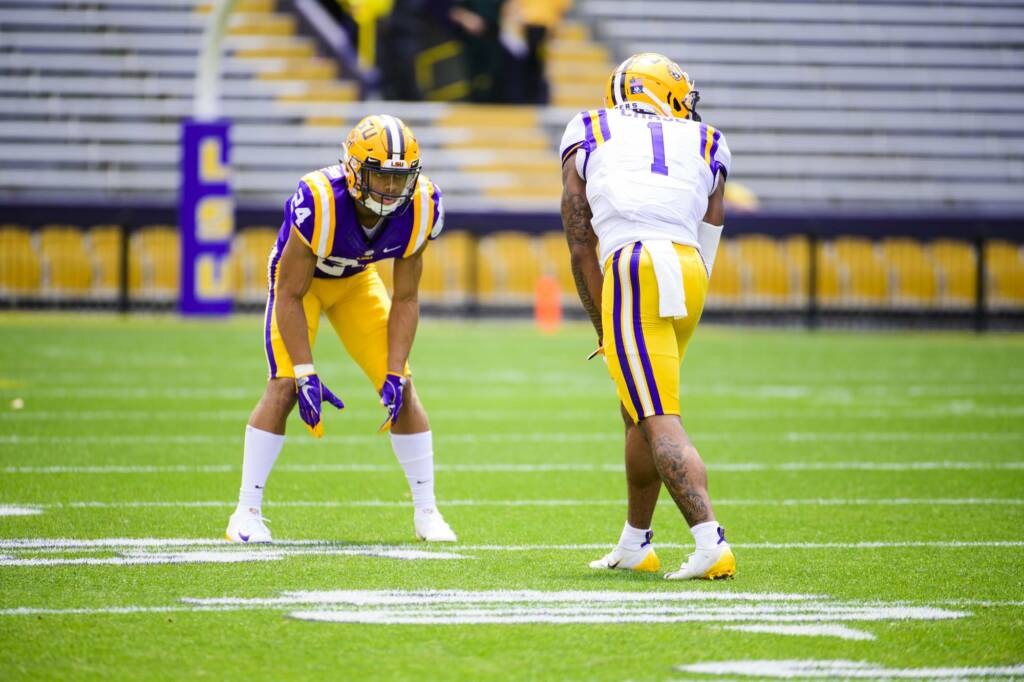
(374, 205)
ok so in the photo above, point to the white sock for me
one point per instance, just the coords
(261, 451)
(415, 452)
(708, 534)
(634, 538)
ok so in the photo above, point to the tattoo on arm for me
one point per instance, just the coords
(579, 233)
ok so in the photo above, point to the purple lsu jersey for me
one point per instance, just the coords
(323, 214)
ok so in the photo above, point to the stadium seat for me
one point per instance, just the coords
(20, 268)
(155, 262)
(827, 281)
(957, 266)
(104, 246)
(726, 282)
(507, 267)
(915, 281)
(446, 267)
(796, 251)
(66, 266)
(250, 252)
(764, 265)
(554, 261)
(1005, 265)
(863, 276)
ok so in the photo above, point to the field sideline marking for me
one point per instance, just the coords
(545, 437)
(499, 467)
(961, 409)
(8, 510)
(836, 669)
(822, 630)
(96, 544)
(809, 502)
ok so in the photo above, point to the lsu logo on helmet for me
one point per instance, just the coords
(656, 83)
(381, 160)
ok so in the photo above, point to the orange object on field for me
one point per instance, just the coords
(547, 304)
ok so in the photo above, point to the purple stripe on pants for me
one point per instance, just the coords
(619, 350)
(274, 260)
(641, 345)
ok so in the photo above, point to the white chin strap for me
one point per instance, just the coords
(381, 209)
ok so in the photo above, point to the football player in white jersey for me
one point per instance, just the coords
(642, 206)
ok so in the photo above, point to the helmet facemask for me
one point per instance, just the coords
(384, 191)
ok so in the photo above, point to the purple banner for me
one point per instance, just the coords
(207, 218)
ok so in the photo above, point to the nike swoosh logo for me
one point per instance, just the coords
(393, 248)
(244, 538)
(308, 396)
(615, 565)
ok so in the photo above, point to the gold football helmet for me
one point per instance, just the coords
(381, 160)
(655, 82)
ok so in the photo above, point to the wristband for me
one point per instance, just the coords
(304, 370)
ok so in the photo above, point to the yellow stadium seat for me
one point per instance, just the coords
(66, 265)
(554, 261)
(20, 267)
(915, 280)
(827, 287)
(796, 250)
(726, 282)
(765, 267)
(250, 253)
(1005, 265)
(957, 264)
(864, 276)
(155, 261)
(507, 267)
(446, 268)
(104, 246)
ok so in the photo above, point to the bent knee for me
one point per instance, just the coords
(280, 391)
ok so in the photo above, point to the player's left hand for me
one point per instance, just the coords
(391, 394)
(597, 351)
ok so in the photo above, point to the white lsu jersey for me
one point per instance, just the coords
(648, 176)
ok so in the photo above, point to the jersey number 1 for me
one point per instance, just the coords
(658, 144)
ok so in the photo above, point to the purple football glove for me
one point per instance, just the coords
(391, 394)
(311, 394)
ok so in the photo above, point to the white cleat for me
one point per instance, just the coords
(643, 560)
(431, 527)
(707, 564)
(247, 526)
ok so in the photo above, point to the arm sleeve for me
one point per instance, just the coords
(300, 213)
(573, 138)
(721, 159)
(437, 220)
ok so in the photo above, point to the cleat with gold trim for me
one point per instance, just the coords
(707, 564)
(643, 560)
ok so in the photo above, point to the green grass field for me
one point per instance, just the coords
(872, 485)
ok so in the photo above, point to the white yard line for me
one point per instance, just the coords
(803, 669)
(822, 630)
(510, 467)
(101, 544)
(544, 437)
(966, 409)
(809, 502)
(8, 510)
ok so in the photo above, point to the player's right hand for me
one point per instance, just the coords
(311, 394)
